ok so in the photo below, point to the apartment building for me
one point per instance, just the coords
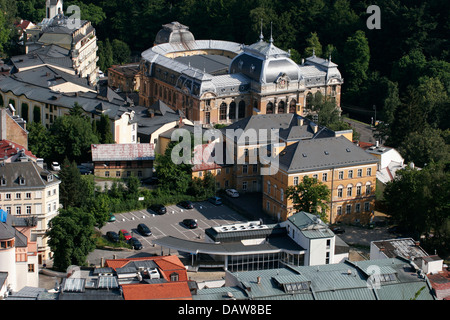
(27, 190)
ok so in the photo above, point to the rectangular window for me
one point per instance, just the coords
(8, 210)
(358, 190)
(369, 171)
(350, 174)
(348, 208)
(324, 177)
(368, 189)
(28, 209)
(341, 175)
(244, 169)
(8, 196)
(30, 267)
(358, 208)
(244, 185)
(139, 174)
(339, 210)
(18, 210)
(366, 206)
(339, 192)
(18, 195)
(255, 168)
(117, 173)
(295, 181)
(359, 173)
(106, 173)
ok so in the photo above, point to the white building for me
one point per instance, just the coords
(29, 191)
(18, 254)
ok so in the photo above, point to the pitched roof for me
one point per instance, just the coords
(157, 291)
(34, 176)
(9, 148)
(325, 153)
(123, 151)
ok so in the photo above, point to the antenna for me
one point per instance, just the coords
(261, 37)
(271, 38)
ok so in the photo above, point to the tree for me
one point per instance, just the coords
(173, 178)
(73, 190)
(104, 130)
(313, 46)
(40, 142)
(121, 52)
(356, 55)
(310, 196)
(419, 200)
(73, 136)
(424, 147)
(70, 237)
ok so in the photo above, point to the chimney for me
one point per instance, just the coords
(300, 121)
(258, 280)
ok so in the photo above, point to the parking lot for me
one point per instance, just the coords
(169, 224)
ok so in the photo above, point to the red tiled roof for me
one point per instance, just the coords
(9, 148)
(157, 291)
(364, 145)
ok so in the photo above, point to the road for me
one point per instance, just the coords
(365, 130)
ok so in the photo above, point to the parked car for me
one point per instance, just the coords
(190, 223)
(137, 245)
(84, 170)
(56, 166)
(144, 230)
(337, 230)
(125, 234)
(112, 236)
(215, 200)
(158, 208)
(232, 193)
(112, 218)
(186, 204)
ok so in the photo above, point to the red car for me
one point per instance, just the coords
(126, 234)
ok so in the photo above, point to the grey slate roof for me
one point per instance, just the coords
(88, 100)
(325, 153)
(35, 176)
(342, 281)
(287, 123)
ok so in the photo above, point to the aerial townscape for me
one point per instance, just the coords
(224, 151)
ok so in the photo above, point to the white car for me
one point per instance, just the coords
(56, 166)
(232, 193)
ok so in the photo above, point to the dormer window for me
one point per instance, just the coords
(174, 277)
(21, 181)
(3, 181)
(49, 178)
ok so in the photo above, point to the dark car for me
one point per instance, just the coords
(137, 245)
(215, 200)
(186, 204)
(337, 230)
(84, 170)
(190, 223)
(112, 236)
(144, 230)
(158, 208)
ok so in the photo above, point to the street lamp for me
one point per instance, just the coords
(375, 116)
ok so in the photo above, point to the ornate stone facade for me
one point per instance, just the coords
(216, 81)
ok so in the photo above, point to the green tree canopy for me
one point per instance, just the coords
(310, 196)
(70, 237)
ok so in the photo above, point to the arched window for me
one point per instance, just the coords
(309, 100)
(340, 191)
(232, 111)
(223, 111)
(281, 107)
(292, 105)
(368, 188)
(241, 112)
(269, 108)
